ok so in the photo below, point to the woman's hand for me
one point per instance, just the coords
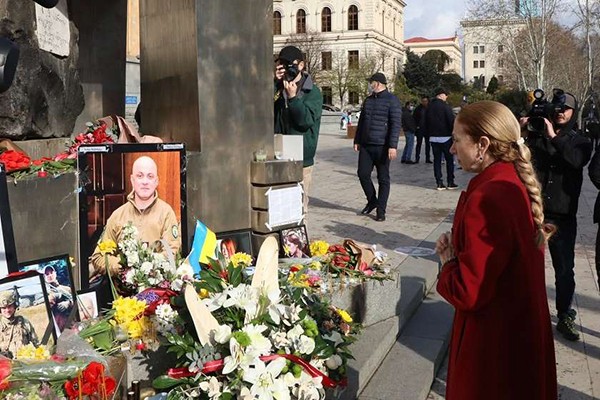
(444, 248)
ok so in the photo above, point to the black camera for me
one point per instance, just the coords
(542, 108)
(291, 72)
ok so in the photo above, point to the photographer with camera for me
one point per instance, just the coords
(559, 154)
(298, 106)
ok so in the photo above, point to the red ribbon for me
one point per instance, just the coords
(217, 365)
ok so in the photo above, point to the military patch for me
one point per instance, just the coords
(175, 231)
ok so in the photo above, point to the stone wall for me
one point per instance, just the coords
(46, 95)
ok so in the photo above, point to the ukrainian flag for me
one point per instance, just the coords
(203, 247)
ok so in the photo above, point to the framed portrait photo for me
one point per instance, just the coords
(117, 179)
(294, 242)
(57, 275)
(229, 243)
(87, 303)
(8, 252)
(25, 313)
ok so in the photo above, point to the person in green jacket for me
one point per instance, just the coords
(298, 106)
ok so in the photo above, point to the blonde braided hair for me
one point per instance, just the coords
(499, 125)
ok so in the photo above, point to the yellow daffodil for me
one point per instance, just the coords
(129, 314)
(344, 315)
(203, 293)
(318, 248)
(315, 265)
(107, 247)
(241, 259)
(30, 352)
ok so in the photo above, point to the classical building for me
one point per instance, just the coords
(450, 46)
(348, 32)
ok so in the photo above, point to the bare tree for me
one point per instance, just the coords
(533, 17)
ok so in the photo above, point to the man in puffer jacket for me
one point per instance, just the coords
(376, 141)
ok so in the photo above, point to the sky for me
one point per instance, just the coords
(433, 18)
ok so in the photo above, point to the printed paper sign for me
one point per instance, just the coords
(53, 31)
(285, 206)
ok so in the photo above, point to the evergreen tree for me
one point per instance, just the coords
(421, 75)
(493, 85)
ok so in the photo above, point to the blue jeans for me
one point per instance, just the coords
(439, 150)
(408, 147)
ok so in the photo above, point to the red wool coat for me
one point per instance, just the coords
(502, 345)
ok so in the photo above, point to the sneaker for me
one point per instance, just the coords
(440, 186)
(566, 326)
(452, 186)
(429, 162)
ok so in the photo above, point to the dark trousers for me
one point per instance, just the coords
(369, 157)
(562, 251)
(420, 138)
(439, 150)
(598, 254)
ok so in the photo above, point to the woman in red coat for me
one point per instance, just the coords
(493, 266)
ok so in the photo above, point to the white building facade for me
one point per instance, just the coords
(350, 30)
(450, 46)
(485, 47)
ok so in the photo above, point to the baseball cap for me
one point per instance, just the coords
(439, 91)
(378, 77)
(290, 54)
(7, 298)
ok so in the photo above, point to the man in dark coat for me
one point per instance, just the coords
(559, 154)
(594, 172)
(419, 116)
(298, 105)
(439, 122)
(376, 140)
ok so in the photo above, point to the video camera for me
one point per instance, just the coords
(291, 72)
(542, 108)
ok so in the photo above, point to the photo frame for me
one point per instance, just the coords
(58, 277)
(27, 292)
(229, 243)
(294, 242)
(87, 305)
(105, 183)
(8, 251)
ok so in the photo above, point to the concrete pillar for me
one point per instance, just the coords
(206, 76)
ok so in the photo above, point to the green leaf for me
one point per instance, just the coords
(166, 382)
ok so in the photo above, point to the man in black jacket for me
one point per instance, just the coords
(439, 123)
(376, 141)
(419, 116)
(559, 154)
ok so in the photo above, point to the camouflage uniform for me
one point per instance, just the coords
(158, 221)
(61, 302)
(16, 331)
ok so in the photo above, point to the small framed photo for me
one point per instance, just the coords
(8, 252)
(24, 302)
(87, 303)
(56, 272)
(229, 243)
(294, 242)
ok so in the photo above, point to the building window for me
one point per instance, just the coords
(352, 18)
(353, 59)
(301, 21)
(500, 63)
(482, 80)
(481, 49)
(500, 48)
(475, 64)
(481, 64)
(353, 97)
(326, 61)
(327, 95)
(326, 20)
(475, 49)
(501, 79)
(276, 23)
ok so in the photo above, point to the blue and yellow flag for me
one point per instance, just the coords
(203, 247)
